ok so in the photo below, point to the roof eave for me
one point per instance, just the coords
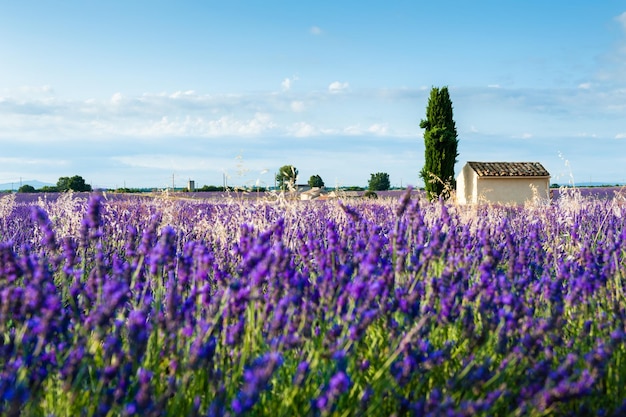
(513, 176)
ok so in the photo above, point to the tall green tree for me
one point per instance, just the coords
(440, 140)
(286, 177)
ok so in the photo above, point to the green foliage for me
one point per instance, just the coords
(127, 190)
(49, 189)
(75, 183)
(286, 177)
(63, 184)
(379, 182)
(26, 189)
(210, 188)
(440, 140)
(370, 194)
(316, 181)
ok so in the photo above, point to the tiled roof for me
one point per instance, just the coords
(509, 169)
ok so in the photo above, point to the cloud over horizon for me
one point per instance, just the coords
(42, 117)
(337, 87)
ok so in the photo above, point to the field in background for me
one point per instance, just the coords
(587, 192)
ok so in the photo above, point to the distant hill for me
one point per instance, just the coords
(15, 185)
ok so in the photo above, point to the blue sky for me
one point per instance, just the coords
(136, 92)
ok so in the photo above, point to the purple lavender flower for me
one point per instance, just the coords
(138, 333)
(201, 352)
(339, 383)
(41, 217)
(72, 365)
(301, 374)
(256, 379)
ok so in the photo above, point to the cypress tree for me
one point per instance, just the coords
(440, 140)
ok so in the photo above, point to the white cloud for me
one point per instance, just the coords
(297, 106)
(179, 94)
(620, 136)
(584, 86)
(337, 87)
(117, 98)
(353, 130)
(287, 83)
(37, 119)
(378, 129)
(302, 129)
(315, 30)
(198, 126)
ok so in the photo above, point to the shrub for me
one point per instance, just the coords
(26, 188)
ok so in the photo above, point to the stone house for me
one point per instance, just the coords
(502, 182)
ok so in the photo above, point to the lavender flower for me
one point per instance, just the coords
(255, 380)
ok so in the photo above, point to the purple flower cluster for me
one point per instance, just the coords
(174, 307)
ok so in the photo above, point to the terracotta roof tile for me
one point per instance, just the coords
(509, 169)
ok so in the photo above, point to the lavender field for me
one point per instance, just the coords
(395, 306)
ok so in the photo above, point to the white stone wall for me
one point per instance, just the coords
(472, 189)
(465, 185)
(511, 190)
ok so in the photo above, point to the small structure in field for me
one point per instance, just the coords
(191, 186)
(343, 194)
(502, 182)
(311, 194)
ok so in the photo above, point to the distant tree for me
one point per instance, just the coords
(49, 189)
(127, 190)
(316, 181)
(440, 140)
(379, 182)
(370, 194)
(75, 183)
(63, 184)
(211, 188)
(286, 177)
(26, 189)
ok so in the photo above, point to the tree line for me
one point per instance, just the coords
(288, 174)
(75, 183)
